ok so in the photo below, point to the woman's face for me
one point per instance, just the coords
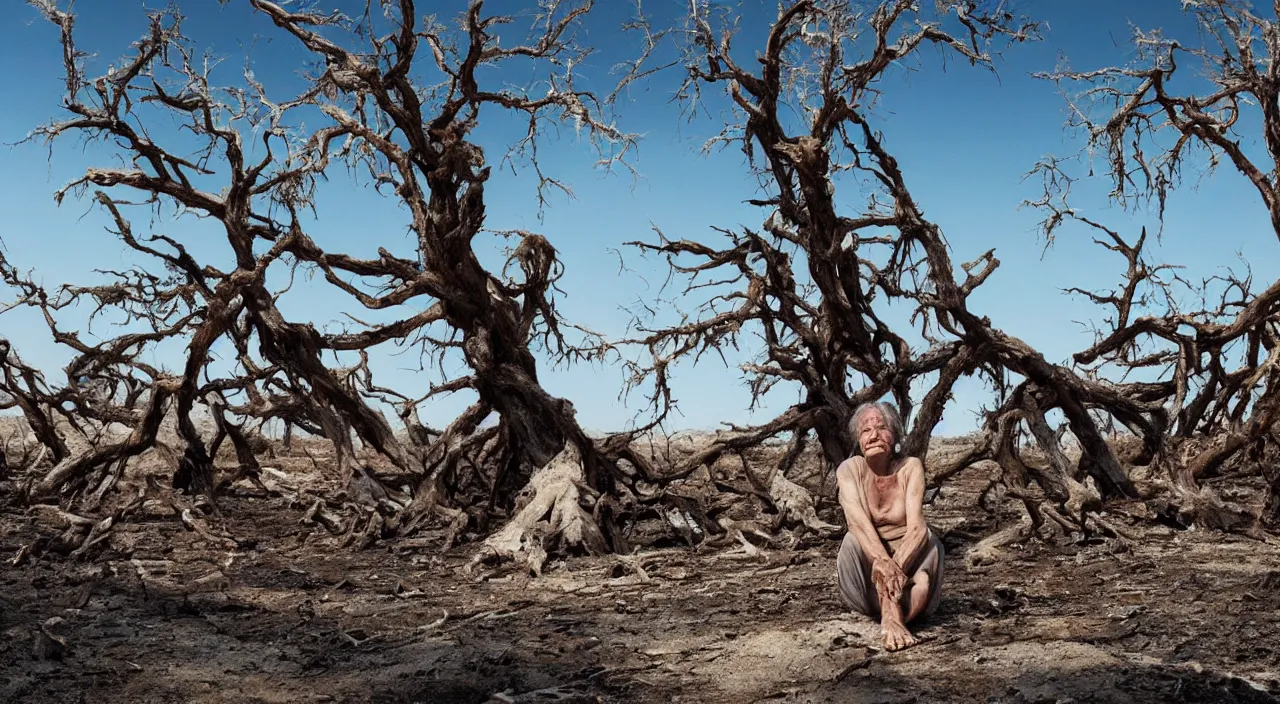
(874, 434)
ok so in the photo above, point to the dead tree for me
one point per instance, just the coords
(440, 175)
(205, 302)
(413, 140)
(107, 384)
(815, 279)
(1219, 388)
(28, 392)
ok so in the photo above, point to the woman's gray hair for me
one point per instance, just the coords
(891, 419)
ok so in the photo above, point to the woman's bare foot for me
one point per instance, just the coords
(896, 636)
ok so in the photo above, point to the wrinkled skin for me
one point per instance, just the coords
(883, 502)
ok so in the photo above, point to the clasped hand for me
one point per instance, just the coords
(888, 577)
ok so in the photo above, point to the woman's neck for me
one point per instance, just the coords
(881, 465)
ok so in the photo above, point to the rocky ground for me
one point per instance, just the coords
(164, 614)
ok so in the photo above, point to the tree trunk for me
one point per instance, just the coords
(296, 348)
(1200, 505)
(553, 511)
(536, 425)
(1269, 519)
(246, 459)
(929, 413)
(194, 474)
(833, 435)
(74, 471)
(42, 424)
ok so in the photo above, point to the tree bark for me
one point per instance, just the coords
(74, 470)
(1269, 518)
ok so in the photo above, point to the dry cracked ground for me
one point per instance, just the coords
(161, 615)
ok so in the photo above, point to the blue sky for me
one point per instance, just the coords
(964, 137)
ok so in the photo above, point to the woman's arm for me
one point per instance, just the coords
(885, 573)
(914, 540)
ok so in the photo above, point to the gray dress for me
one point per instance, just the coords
(853, 573)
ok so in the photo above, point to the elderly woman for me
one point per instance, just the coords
(890, 563)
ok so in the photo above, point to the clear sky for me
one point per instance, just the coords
(964, 137)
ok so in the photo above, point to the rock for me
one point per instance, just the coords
(47, 644)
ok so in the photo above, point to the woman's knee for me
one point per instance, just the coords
(850, 555)
(921, 578)
(934, 554)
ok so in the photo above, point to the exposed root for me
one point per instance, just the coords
(277, 482)
(318, 515)
(988, 551)
(364, 488)
(192, 520)
(74, 528)
(551, 511)
(80, 534)
(365, 530)
(1083, 498)
(1114, 530)
(736, 532)
(98, 533)
(795, 505)
(424, 506)
(52, 515)
(1201, 507)
(457, 523)
(628, 570)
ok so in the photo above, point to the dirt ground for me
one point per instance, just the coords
(160, 615)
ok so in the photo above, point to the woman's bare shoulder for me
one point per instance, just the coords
(911, 465)
(851, 467)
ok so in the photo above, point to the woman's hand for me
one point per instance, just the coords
(888, 577)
